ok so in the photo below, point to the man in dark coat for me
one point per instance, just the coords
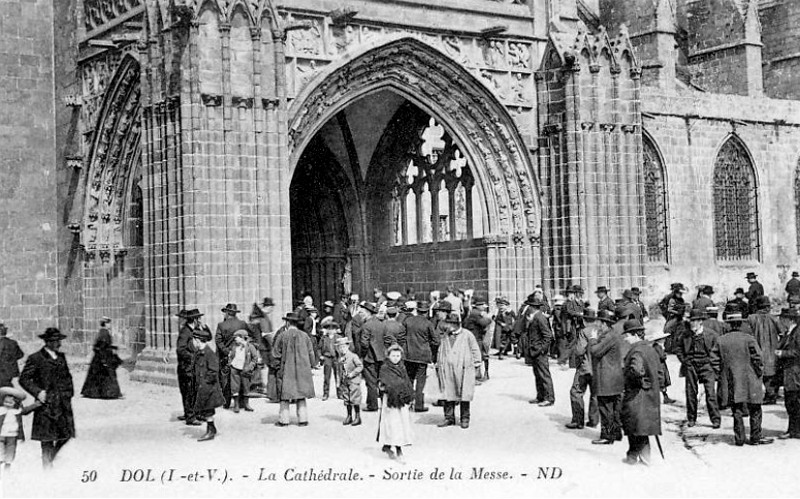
(636, 294)
(572, 322)
(10, 353)
(47, 378)
(374, 342)
(793, 290)
(605, 346)
(224, 341)
(421, 343)
(504, 326)
(394, 327)
(767, 330)
(540, 335)
(754, 291)
(737, 305)
(477, 322)
(736, 359)
(208, 394)
(694, 352)
(583, 376)
(703, 300)
(604, 302)
(673, 307)
(184, 348)
(641, 410)
(788, 354)
(295, 354)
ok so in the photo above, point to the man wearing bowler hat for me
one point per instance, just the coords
(736, 360)
(583, 377)
(703, 300)
(422, 345)
(540, 335)
(605, 346)
(767, 330)
(754, 291)
(47, 378)
(793, 289)
(184, 348)
(478, 321)
(694, 352)
(604, 302)
(224, 339)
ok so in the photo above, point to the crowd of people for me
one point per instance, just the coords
(741, 359)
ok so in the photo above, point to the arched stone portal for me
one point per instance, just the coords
(409, 71)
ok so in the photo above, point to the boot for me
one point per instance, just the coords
(236, 406)
(486, 372)
(211, 432)
(449, 414)
(357, 420)
(465, 413)
(667, 400)
(246, 404)
(349, 418)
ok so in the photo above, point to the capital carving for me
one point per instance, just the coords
(211, 100)
(255, 33)
(268, 103)
(243, 102)
(629, 128)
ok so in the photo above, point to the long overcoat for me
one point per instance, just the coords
(206, 378)
(54, 420)
(766, 329)
(607, 358)
(421, 339)
(457, 363)
(737, 360)
(10, 353)
(295, 352)
(641, 404)
(790, 360)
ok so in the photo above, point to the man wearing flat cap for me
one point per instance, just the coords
(374, 342)
(788, 354)
(224, 340)
(641, 408)
(736, 360)
(793, 289)
(694, 352)
(47, 378)
(767, 330)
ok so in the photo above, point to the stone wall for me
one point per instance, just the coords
(28, 223)
(781, 53)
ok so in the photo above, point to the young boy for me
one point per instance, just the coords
(11, 424)
(242, 359)
(328, 355)
(350, 368)
(206, 378)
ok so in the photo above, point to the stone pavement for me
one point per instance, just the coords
(507, 435)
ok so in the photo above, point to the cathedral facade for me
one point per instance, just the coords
(169, 154)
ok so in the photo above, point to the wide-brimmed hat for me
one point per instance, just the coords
(189, 314)
(751, 275)
(606, 316)
(453, 318)
(577, 289)
(231, 308)
(678, 286)
(292, 317)
(795, 273)
(589, 315)
(268, 302)
(707, 290)
(534, 302)
(627, 294)
(344, 340)
(7, 391)
(698, 315)
(632, 326)
(601, 289)
(739, 291)
(762, 302)
(636, 291)
(502, 300)
(202, 334)
(52, 334)
(626, 310)
(369, 307)
(734, 317)
(658, 335)
(790, 313)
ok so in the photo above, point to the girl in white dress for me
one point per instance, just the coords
(395, 419)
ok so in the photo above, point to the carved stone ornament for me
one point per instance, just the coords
(481, 123)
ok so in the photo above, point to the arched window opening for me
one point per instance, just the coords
(656, 216)
(736, 228)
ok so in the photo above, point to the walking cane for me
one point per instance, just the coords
(660, 449)
(380, 416)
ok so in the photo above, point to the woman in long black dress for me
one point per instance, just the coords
(101, 381)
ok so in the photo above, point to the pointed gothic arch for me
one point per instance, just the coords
(656, 201)
(735, 192)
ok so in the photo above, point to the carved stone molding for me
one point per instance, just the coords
(267, 103)
(481, 122)
(211, 100)
(243, 102)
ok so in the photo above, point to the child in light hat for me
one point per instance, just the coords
(11, 424)
(242, 358)
(328, 354)
(350, 368)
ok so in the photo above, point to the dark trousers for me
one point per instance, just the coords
(418, 374)
(793, 410)
(371, 372)
(565, 345)
(225, 380)
(506, 342)
(771, 386)
(186, 386)
(544, 382)
(639, 448)
(579, 387)
(695, 377)
(610, 423)
(738, 422)
(450, 411)
(328, 364)
(50, 450)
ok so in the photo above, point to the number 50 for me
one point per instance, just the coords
(89, 476)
